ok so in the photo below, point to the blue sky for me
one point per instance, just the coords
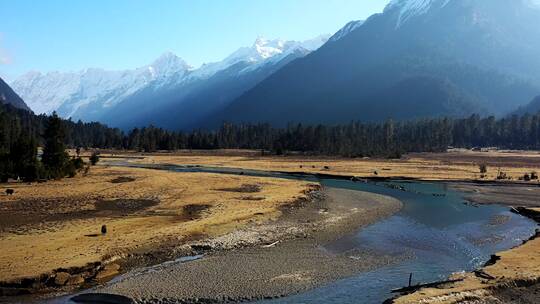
(68, 35)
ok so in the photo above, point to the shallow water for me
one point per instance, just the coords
(435, 231)
(439, 235)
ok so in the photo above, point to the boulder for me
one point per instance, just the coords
(75, 280)
(108, 271)
(61, 278)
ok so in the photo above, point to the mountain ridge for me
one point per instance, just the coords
(83, 94)
(462, 44)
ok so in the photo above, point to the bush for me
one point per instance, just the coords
(78, 163)
(94, 158)
(483, 168)
(70, 170)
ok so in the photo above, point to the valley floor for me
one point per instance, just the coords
(460, 168)
(456, 165)
(514, 278)
(54, 240)
(54, 228)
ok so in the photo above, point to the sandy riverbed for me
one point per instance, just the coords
(294, 264)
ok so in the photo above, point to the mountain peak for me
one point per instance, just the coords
(268, 48)
(168, 63)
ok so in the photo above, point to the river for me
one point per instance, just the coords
(437, 232)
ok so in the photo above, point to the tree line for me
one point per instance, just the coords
(355, 139)
(21, 133)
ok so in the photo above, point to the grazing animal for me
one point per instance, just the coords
(104, 229)
(376, 173)
(326, 168)
(10, 191)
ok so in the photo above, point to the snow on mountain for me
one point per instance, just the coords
(72, 94)
(348, 28)
(285, 49)
(259, 53)
(168, 65)
(67, 92)
(411, 8)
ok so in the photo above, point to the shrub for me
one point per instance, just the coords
(94, 158)
(70, 170)
(483, 168)
(78, 163)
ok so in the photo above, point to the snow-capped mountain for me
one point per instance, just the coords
(66, 93)
(209, 88)
(419, 58)
(260, 52)
(94, 93)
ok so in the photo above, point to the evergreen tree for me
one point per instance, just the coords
(55, 159)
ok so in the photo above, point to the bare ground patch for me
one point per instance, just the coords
(122, 179)
(245, 188)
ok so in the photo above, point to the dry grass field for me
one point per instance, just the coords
(58, 224)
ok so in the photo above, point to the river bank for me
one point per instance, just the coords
(458, 168)
(456, 165)
(512, 276)
(275, 260)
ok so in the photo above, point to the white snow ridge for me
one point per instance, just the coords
(76, 94)
(347, 29)
(412, 8)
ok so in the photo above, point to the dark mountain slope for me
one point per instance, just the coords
(8, 96)
(531, 108)
(183, 107)
(478, 54)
